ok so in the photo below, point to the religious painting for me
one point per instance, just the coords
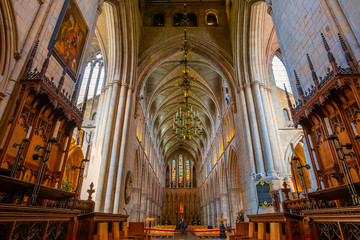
(69, 38)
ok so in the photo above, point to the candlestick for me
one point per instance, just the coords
(56, 130)
(354, 129)
(28, 133)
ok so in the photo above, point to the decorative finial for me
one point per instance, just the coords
(31, 57)
(288, 98)
(298, 85)
(47, 59)
(330, 55)
(348, 57)
(313, 73)
(62, 80)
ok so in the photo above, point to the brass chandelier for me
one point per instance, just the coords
(186, 122)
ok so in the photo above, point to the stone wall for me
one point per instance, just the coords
(298, 25)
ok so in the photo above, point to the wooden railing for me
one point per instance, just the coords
(19, 222)
(279, 226)
(334, 223)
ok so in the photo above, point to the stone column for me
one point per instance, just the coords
(135, 208)
(244, 111)
(123, 151)
(218, 207)
(264, 132)
(272, 136)
(101, 191)
(113, 165)
(143, 207)
(255, 132)
(278, 139)
(224, 204)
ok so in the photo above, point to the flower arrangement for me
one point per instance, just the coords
(68, 186)
(240, 216)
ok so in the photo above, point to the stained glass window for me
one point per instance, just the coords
(173, 171)
(181, 169)
(187, 171)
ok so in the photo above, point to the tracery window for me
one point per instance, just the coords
(181, 169)
(187, 171)
(93, 79)
(173, 171)
(280, 74)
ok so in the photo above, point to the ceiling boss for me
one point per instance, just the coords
(186, 122)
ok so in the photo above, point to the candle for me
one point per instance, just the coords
(292, 149)
(28, 133)
(66, 143)
(354, 129)
(56, 130)
(310, 141)
(327, 123)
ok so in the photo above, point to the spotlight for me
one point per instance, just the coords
(307, 166)
(36, 157)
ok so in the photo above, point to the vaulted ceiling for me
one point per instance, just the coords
(162, 99)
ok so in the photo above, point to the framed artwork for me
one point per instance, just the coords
(69, 38)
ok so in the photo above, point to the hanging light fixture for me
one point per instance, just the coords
(186, 123)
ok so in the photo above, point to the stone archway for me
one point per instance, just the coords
(235, 192)
(70, 177)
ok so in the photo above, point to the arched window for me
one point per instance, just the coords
(181, 169)
(178, 18)
(280, 74)
(192, 20)
(94, 76)
(286, 115)
(173, 172)
(188, 171)
(159, 20)
(211, 19)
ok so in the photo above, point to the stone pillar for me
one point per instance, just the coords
(101, 191)
(120, 163)
(143, 207)
(271, 132)
(218, 207)
(113, 167)
(224, 205)
(264, 132)
(278, 139)
(255, 132)
(248, 138)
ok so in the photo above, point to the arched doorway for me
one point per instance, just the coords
(71, 175)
